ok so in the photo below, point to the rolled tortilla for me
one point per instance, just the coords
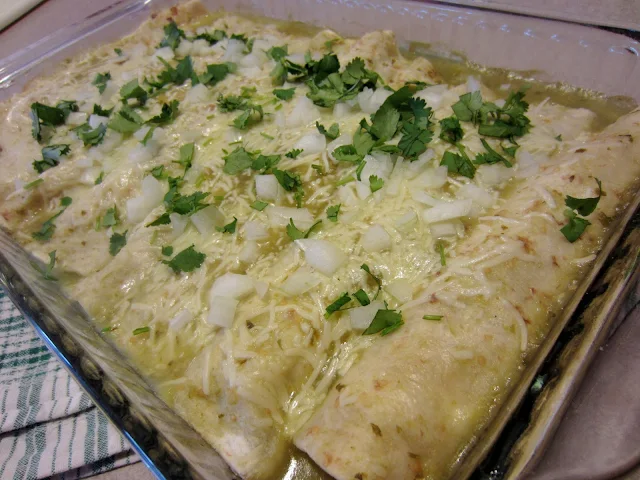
(417, 397)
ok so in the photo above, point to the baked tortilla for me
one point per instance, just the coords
(284, 369)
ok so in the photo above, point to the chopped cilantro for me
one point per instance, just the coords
(267, 136)
(278, 53)
(177, 75)
(468, 107)
(576, 226)
(101, 81)
(458, 163)
(110, 218)
(133, 91)
(99, 179)
(103, 112)
(212, 38)
(345, 180)
(48, 227)
(450, 130)
(186, 261)
(117, 242)
(118, 51)
(44, 115)
(126, 121)
(284, 93)
(67, 106)
(186, 156)
(291, 183)
(443, 258)
(51, 157)
(584, 206)
(33, 184)
(172, 36)
(149, 135)
(347, 153)
(337, 304)
(332, 133)
(237, 161)
(295, 233)
(510, 120)
(490, 157)
(293, 153)
(141, 330)
(167, 250)
(168, 113)
(157, 172)
(378, 282)
(318, 168)
(91, 136)
(333, 212)
(47, 271)
(265, 162)
(510, 151)
(432, 317)
(229, 227)
(259, 205)
(253, 114)
(359, 170)
(217, 72)
(385, 322)
(375, 183)
(558, 138)
(362, 297)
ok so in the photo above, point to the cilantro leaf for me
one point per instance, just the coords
(414, 140)
(332, 133)
(212, 38)
(186, 261)
(385, 322)
(278, 53)
(186, 156)
(237, 161)
(116, 242)
(510, 151)
(362, 297)
(177, 75)
(333, 212)
(217, 72)
(48, 227)
(231, 103)
(443, 258)
(168, 113)
(467, 108)
(67, 106)
(103, 112)
(172, 35)
(432, 317)
(575, 227)
(347, 153)
(284, 93)
(101, 81)
(337, 304)
(141, 330)
(44, 115)
(375, 183)
(290, 182)
(186, 204)
(295, 233)
(265, 162)
(378, 282)
(51, 157)
(133, 91)
(293, 153)
(491, 156)
(384, 122)
(157, 172)
(47, 271)
(126, 121)
(450, 130)
(33, 184)
(458, 163)
(229, 227)
(91, 136)
(110, 218)
(167, 250)
(99, 179)
(253, 114)
(510, 119)
(584, 206)
(259, 205)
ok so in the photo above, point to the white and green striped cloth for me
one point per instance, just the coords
(48, 425)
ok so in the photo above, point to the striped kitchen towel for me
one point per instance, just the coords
(48, 425)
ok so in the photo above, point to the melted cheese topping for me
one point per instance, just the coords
(249, 385)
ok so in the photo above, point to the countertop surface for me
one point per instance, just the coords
(584, 433)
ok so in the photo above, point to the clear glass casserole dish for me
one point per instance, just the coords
(549, 51)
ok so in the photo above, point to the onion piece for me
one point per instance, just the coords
(370, 101)
(232, 285)
(443, 229)
(432, 177)
(447, 211)
(178, 224)
(261, 288)
(234, 50)
(322, 255)
(401, 289)
(152, 195)
(344, 139)
(303, 113)
(183, 317)
(279, 216)
(249, 253)
(222, 311)
(300, 281)
(196, 94)
(96, 120)
(165, 53)
(361, 317)
(405, 220)
(423, 197)
(267, 187)
(311, 143)
(255, 231)
(207, 219)
(376, 239)
(476, 194)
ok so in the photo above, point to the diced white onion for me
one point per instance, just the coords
(527, 164)
(346, 196)
(152, 194)
(207, 219)
(222, 310)
(311, 143)
(256, 58)
(255, 231)
(322, 255)
(446, 211)
(473, 85)
(141, 133)
(433, 95)
(379, 165)
(166, 53)
(232, 285)
(261, 288)
(249, 253)
(143, 153)
(111, 140)
(183, 317)
(376, 239)
(96, 120)
(279, 216)
(234, 50)
(432, 177)
(178, 224)
(301, 281)
(370, 100)
(76, 118)
(406, 219)
(196, 94)
(303, 113)
(185, 48)
(477, 194)
(423, 197)
(401, 289)
(417, 166)
(443, 229)
(361, 317)
(494, 174)
(362, 189)
(341, 109)
(267, 187)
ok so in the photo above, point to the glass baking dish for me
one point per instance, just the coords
(544, 50)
